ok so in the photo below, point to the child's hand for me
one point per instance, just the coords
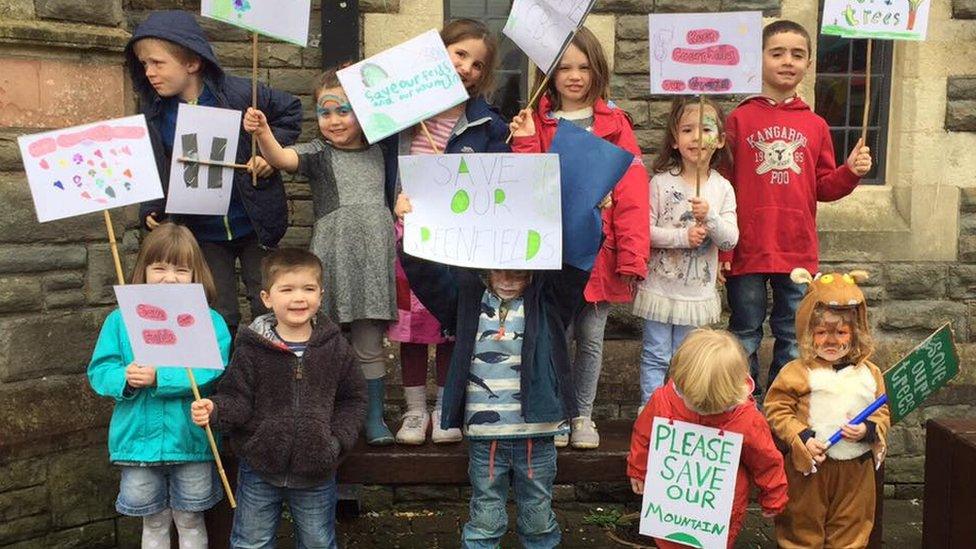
(854, 433)
(261, 166)
(522, 124)
(770, 514)
(723, 267)
(255, 122)
(402, 206)
(817, 450)
(151, 222)
(607, 201)
(859, 160)
(200, 411)
(637, 486)
(140, 376)
(696, 235)
(699, 208)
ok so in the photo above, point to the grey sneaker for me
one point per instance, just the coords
(443, 436)
(414, 428)
(561, 441)
(585, 435)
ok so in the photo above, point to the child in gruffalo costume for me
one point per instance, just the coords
(831, 489)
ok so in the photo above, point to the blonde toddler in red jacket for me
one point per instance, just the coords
(710, 386)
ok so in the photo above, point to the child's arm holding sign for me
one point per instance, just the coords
(279, 157)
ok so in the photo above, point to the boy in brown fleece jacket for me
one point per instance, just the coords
(293, 400)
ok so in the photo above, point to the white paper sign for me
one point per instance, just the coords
(403, 85)
(203, 133)
(169, 325)
(887, 19)
(84, 169)
(285, 20)
(706, 53)
(541, 28)
(690, 484)
(486, 211)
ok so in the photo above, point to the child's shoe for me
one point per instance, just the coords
(413, 431)
(443, 436)
(561, 441)
(585, 435)
(377, 433)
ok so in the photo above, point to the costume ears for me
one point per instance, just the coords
(800, 275)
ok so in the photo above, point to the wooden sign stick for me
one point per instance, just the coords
(430, 138)
(532, 100)
(114, 246)
(867, 96)
(254, 104)
(701, 144)
(186, 160)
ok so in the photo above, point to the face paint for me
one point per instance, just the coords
(832, 337)
(342, 106)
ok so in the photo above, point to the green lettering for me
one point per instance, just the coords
(663, 432)
(668, 472)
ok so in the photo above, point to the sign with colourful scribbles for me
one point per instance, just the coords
(706, 53)
(690, 483)
(922, 372)
(89, 168)
(885, 19)
(542, 28)
(285, 20)
(399, 87)
(207, 134)
(169, 325)
(485, 211)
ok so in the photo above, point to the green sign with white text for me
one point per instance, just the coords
(924, 371)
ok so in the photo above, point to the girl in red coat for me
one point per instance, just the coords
(710, 386)
(577, 92)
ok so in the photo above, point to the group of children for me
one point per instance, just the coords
(295, 395)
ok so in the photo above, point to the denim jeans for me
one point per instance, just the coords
(530, 466)
(660, 342)
(747, 301)
(259, 506)
(587, 329)
(190, 487)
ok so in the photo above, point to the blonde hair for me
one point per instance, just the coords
(711, 371)
(175, 244)
(862, 345)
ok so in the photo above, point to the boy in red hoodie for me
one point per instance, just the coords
(783, 164)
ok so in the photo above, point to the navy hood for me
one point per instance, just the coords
(179, 27)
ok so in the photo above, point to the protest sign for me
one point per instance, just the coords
(402, 86)
(209, 135)
(589, 168)
(542, 28)
(83, 169)
(690, 483)
(285, 20)
(487, 211)
(922, 372)
(706, 53)
(901, 20)
(169, 325)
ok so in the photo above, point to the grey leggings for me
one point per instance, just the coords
(587, 330)
(366, 338)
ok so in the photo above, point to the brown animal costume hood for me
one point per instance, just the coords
(832, 290)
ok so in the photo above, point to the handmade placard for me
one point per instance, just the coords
(486, 211)
(887, 19)
(402, 86)
(924, 371)
(169, 325)
(285, 20)
(541, 28)
(211, 135)
(84, 169)
(706, 53)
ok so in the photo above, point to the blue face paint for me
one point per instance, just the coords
(342, 106)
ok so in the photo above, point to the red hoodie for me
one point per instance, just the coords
(626, 229)
(761, 462)
(783, 163)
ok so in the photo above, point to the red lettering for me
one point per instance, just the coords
(722, 54)
(706, 84)
(702, 36)
(159, 337)
(185, 320)
(673, 85)
(151, 312)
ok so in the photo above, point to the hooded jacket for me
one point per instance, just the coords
(812, 397)
(288, 415)
(760, 462)
(626, 244)
(264, 204)
(783, 164)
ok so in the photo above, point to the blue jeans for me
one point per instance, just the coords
(190, 487)
(660, 342)
(532, 475)
(747, 301)
(259, 506)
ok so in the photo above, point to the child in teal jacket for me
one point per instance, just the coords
(166, 462)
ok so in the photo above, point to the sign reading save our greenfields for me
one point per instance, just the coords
(924, 371)
(690, 483)
(887, 19)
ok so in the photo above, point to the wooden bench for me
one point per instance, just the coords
(948, 520)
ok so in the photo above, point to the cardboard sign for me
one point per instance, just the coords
(924, 371)
(399, 87)
(486, 211)
(285, 20)
(203, 133)
(542, 28)
(169, 325)
(706, 53)
(690, 484)
(84, 169)
(893, 20)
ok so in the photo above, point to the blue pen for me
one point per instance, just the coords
(859, 418)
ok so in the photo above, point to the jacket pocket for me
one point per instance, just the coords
(777, 229)
(268, 449)
(313, 453)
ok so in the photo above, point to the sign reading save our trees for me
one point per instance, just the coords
(889, 19)
(690, 483)
(924, 371)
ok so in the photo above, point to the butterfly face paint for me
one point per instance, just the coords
(337, 121)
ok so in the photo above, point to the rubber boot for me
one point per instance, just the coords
(377, 433)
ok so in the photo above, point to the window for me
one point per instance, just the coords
(840, 96)
(513, 65)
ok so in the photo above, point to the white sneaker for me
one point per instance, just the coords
(413, 431)
(443, 436)
(585, 435)
(561, 441)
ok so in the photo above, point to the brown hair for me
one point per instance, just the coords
(463, 29)
(182, 53)
(785, 25)
(862, 345)
(286, 260)
(328, 79)
(711, 371)
(175, 244)
(587, 43)
(669, 158)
